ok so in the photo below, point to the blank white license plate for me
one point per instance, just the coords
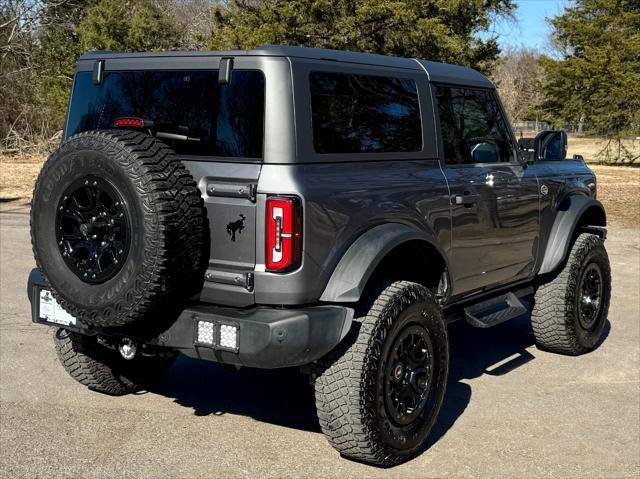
(52, 312)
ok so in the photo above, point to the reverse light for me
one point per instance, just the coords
(283, 244)
(205, 333)
(228, 337)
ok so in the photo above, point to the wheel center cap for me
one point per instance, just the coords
(398, 372)
(90, 229)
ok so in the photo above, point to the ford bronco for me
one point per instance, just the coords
(294, 207)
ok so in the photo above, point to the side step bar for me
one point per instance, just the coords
(494, 311)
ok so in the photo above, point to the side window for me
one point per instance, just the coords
(473, 127)
(364, 113)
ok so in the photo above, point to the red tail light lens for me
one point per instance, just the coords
(284, 233)
(129, 123)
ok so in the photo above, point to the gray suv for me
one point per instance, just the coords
(327, 210)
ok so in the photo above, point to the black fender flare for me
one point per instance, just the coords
(567, 219)
(352, 273)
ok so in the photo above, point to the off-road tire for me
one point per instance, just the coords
(169, 236)
(351, 410)
(554, 317)
(104, 370)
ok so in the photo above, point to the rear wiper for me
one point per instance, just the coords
(165, 135)
(142, 124)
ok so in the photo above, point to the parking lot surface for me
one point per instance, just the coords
(510, 410)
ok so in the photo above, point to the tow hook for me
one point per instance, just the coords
(127, 348)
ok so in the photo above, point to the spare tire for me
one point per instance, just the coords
(118, 228)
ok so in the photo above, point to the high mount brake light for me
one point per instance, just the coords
(129, 123)
(283, 243)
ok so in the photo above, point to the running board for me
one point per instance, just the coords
(494, 311)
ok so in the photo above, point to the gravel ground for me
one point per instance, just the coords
(510, 410)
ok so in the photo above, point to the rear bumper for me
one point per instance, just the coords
(267, 337)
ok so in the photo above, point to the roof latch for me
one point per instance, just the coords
(226, 67)
(98, 72)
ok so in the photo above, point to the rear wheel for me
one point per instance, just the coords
(104, 370)
(570, 311)
(379, 394)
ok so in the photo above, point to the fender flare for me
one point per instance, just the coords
(567, 218)
(352, 273)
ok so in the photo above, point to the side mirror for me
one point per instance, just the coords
(550, 145)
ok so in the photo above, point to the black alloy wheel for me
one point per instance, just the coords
(408, 374)
(590, 296)
(93, 230)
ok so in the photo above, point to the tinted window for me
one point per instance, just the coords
(212, 119)
(364, 114)
(473, 128)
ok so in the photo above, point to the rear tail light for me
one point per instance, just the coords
(284, 233)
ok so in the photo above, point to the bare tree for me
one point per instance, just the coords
(517, 75)
(18, 25)
(193, 18)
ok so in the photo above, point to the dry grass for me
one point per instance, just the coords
(618, 186)
(619, 191)
(591, 148)
(18, 173)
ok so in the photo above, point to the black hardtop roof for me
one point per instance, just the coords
(437, 72)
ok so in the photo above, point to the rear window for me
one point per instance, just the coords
(203, 117)
(364, 114)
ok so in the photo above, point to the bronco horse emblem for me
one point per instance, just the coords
(235, 227)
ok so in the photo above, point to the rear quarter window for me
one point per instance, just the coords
(217, 120)
(364, 113)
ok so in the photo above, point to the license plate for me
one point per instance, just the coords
(52, 312)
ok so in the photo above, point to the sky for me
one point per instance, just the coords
(530, 28)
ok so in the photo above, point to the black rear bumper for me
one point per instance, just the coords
(267, 337)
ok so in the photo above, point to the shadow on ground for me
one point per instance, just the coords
(284, 396)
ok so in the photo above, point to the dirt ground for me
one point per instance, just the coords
(618, 187)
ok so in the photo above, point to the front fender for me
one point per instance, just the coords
(351, 275)
(569, 213)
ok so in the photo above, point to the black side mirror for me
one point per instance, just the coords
(550, 145)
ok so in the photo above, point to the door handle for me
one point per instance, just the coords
(466, 199)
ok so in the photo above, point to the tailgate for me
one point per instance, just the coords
(228, 190)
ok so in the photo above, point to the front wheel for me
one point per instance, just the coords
(570, 311)
(380, 394)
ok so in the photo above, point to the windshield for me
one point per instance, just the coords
(225, 120)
